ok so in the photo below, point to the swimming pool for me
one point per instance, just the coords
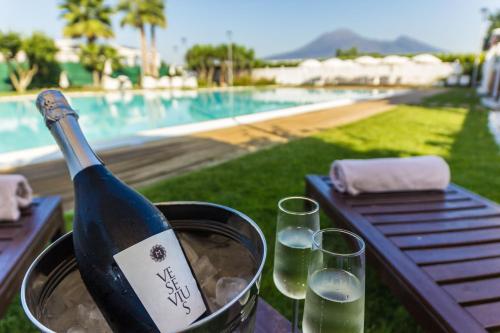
(110, 119)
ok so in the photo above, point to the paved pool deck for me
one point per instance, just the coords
(144, 164)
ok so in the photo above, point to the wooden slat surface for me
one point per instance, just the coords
(419, 207)
(455, 253)
(382, 199)
(426, 227)
(443, 215)
(268, 320)
(23, 240)
(475, 291)
(464, 270)
(447, 239)
(438, 251)
(486, 314)
(3, 245)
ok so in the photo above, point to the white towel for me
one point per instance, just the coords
(390, 174)
(15, 193)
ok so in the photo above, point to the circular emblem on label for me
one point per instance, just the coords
(158, 253)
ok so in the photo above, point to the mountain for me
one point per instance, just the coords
(327, 44)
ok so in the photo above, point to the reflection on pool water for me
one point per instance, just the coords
(111, 116)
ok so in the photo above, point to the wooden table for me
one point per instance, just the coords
(21, 242)
(269, 320)
(439, 251)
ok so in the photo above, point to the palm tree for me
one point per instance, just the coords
(94, 58)
(156, 18)
(137, 13)
(90, 19)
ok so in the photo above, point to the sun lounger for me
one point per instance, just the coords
(438, 251)
(21, 241)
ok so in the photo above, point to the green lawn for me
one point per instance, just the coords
(450, 125)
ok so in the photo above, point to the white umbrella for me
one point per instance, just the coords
(367, 60)
(395, 60)
(426, 58)
(63, 80)
(333, 62)
(171, 70)
(108, 68)
(310, 63)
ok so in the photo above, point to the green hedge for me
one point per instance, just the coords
(134, 73)
(4, 78)
(78, 76)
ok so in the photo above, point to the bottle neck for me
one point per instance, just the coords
(74, 146)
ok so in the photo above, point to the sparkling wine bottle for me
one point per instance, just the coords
(128, 255)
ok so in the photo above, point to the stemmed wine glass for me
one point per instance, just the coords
(298, 220)
(335, 298)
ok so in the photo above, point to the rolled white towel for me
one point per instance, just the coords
(15, 193)
(390, 174)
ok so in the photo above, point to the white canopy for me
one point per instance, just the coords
(395, 60)
(108, 68)
(367, 60)
(310, 63)
(426, 58)
(349, 62)
(333, 62)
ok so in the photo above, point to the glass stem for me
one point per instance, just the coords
(295, 328)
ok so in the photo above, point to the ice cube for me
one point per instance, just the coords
(64, 320)
(76, 329)
(91, 318)
(204, 269)
(228, 288)
(55, 306)
(187, 244)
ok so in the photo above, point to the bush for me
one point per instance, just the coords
(466, 60)
(247, 80)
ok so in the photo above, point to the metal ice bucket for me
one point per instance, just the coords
(57, 262)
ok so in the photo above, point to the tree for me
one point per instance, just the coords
(94, 58)
(347, 54)
(89, 19)
(494, 23)
(243, 59)
(201, 58)
(138, 13)
(204, 58)
(10, 44)
(39, 50)
(156, 19)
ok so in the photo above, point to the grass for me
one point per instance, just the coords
(450, 125)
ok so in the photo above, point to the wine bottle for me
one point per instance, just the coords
(128, 254)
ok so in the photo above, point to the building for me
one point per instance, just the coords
(131, 56)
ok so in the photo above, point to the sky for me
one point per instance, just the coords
(272, 26)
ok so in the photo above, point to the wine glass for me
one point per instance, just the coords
(335, 297)
(298, 219)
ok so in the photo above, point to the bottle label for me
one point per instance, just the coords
(157, 270)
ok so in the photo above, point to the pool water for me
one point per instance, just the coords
(111, 116)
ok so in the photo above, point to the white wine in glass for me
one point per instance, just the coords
(335, 297)
(298, 219)
(335, 302)
(293, 248)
